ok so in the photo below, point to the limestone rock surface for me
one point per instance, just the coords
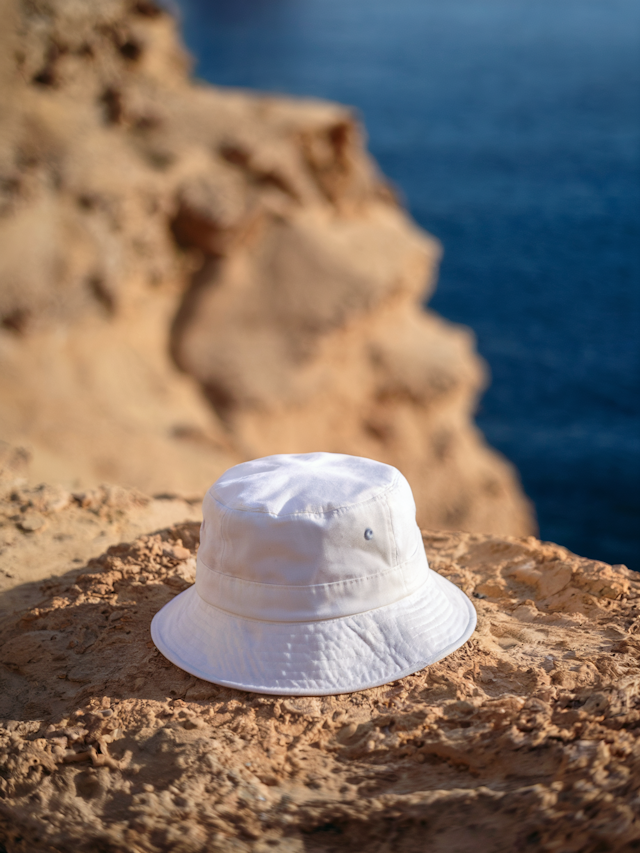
(46, 529)
(191, 276)
(526, 738)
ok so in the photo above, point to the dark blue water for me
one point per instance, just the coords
(512, 128)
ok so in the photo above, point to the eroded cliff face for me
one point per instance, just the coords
(526, 738)
(149, 224)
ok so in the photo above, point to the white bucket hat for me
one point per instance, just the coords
(311, 579)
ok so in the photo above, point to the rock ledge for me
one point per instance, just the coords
(524, 739)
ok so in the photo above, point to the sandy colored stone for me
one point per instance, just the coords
(526, 738)
(45, 530)
(191, 276)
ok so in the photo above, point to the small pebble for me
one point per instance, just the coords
(176, 552)
(58, 502)
(31, 522)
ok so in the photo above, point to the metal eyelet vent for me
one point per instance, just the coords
(368, 534)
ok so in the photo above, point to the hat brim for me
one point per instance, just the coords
(315, 658)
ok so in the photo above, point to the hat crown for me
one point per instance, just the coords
(308, 536)
(292, 484)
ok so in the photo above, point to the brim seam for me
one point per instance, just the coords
(312, 621)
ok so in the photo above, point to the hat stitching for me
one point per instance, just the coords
(365, 637)
(224, 541)
(339, 655)
(332, 584)
(377, 496)
(221, 538)
(311, 621)
(391, 530)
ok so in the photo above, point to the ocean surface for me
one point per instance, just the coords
(512, 128)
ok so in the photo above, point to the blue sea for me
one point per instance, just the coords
(512, 129)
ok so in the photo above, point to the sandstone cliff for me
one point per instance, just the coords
(191, 276)
(526, 738)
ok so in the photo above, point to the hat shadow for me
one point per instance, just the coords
(88, 636)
